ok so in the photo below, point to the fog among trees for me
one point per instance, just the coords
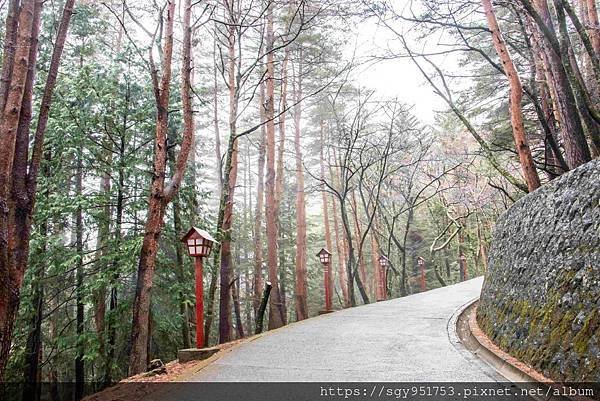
(125, 123)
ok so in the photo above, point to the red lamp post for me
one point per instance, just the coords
(199, 244)
(381, 285)
(422, 283)
(325, 258)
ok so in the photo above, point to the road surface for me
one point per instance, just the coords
(406, 339)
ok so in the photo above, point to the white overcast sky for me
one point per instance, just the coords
(395, 78)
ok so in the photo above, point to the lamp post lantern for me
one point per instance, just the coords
(325, 258)
(422, 283)
(381, 285)
(464, 271)
(199, 243)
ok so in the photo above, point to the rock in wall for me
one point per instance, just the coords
(541, 297)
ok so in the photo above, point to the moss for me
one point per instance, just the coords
(558, 293)
(561, 331)
(590, 325)
(549, 309)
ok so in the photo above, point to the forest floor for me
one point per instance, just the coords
(139, 386)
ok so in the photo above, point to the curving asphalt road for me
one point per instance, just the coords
(400, 340)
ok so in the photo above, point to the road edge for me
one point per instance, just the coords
(475, 341)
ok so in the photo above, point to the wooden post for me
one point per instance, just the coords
(383, 275)
(378, 282)
(422, 278)
(464, 271)
(263, 306)
(327, 274)
(199, 303)
(381, 281)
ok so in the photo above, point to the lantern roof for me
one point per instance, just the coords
(322, 251)
(420, 258)
(202, 233)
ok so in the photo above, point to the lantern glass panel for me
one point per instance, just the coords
(190, 242)
(191, 250)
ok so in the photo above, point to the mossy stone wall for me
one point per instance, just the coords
(541, 297)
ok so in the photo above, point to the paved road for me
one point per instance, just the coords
(407, 339)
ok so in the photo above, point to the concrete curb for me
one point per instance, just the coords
(509, 367)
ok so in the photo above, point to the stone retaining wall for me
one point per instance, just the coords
(541, 297)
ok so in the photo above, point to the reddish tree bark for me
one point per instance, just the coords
(8, 53)
(554, 159)
(516, 95)
(161, 192)
(17, 181)
(279, 182)
(301, 295)
(593, 24)
(574, 141)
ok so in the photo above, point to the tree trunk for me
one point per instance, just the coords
(218, 154)
(283, 274)
(358, 231)
(101, 249)
(594, 31)
(247, 217)
(482, 247)
(12, 113)
(516, 95)
(554, 161)
(258, 242)
(326, 224)
(341, 252)
(111, 319)
(160, 193)
(350, 262)
(180, 274)
(582, 95)
(229, 184)
(8, 53)
(11, 276)
(378, 271)
(79, 364)
(462, 259)
(576, 148)
(276, 317)
(15, 222)
(33, 348)
(262, 308)
(236, 306)
(301, 295)
(404, 276)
